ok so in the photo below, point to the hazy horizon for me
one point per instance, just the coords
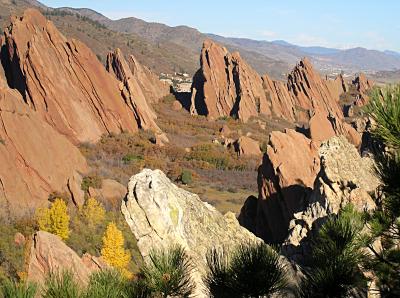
(337, 24)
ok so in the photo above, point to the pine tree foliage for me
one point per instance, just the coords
(384, 223)
(252, 270)
(384, 108)
(168, 273)
(336, 257)
(113, 251)
(55, 219)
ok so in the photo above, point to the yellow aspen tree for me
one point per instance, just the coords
(113, 251)
(55, 219)
(93, 212)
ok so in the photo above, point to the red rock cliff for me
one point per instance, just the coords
(63, 81)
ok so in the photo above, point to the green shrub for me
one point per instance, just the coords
(10, 289)
(11, 256)
(61, 284)
(186, 177)
(106, 283)
(2, 141)
(253, 270)
(168, 272)
(130, 157)
(90, 181)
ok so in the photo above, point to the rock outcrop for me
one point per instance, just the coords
(110, 193)
(362, 85)
(160, 214)
(285, 179)
(35, 159)
(136, 88)
(49, 253)
(226, 85)
(150, 84)
(313, 93)
(323, 126)
(282, 103)
(345, 177)
(245, 146)
(63, 81)
(299, 185)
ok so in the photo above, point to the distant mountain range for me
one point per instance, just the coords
(355, 59)
(166, 49)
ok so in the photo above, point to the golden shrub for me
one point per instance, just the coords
(54, 219)
(93, 212)
(113, 251)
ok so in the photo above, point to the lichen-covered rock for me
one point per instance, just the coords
(345, 177)
(161, 214)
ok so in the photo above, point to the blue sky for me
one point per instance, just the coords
(336, 23)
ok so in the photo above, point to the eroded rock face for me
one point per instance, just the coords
(63, 81)
(35, 159)
(161, 214)
(285, 178)
(246, 146)
(362, 85)
(226, 85)
(49, 253)
(311, 92)
(345, 177)
(282, 103)
(137, 88)
(323, 126)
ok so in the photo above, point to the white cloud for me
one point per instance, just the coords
(268, 34)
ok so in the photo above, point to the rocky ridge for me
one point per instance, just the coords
(226, 86)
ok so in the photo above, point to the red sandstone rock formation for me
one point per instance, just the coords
(131, 89)
(323, 126)
(63, 81)
(226, 86)
(151, 86)
(49, 253)
(35, 159)
(311, 92)
(246, 146)
(282, 103)
(362, 85)
(285, 177)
